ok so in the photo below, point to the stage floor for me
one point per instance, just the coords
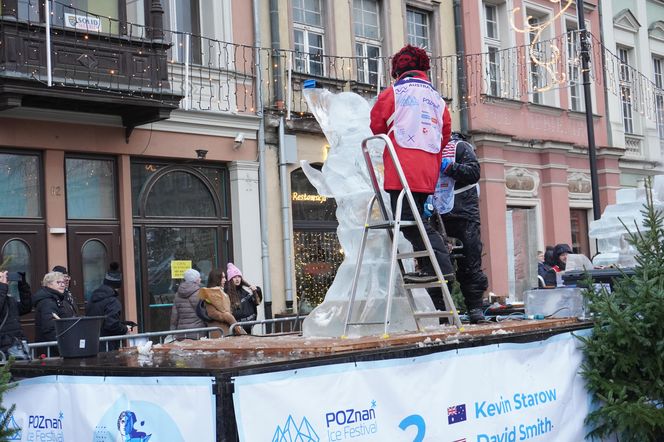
(244, 354)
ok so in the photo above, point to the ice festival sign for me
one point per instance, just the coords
(493, 393)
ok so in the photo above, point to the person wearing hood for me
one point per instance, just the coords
(415, 117)
(50, 299)
(11, 310)
(105, 301)
(560, 252)
(183, 313)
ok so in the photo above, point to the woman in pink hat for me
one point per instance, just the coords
(245, 297)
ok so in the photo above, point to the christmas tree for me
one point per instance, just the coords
(624, 356)
(7, 425)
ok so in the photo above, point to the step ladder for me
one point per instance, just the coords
(393, 225)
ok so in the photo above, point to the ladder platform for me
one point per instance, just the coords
(418, 254)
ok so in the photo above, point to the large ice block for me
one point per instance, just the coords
(561, 302)
(345, 119)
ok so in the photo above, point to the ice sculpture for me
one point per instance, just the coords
(609, 231)
(344, 119)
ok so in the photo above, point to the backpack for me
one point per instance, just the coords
(201, 312)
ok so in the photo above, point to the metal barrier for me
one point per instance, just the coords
(278, 326)
(160, 336)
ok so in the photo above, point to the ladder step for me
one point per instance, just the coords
(423, 285)
(389, 224)
(436, 314)
(418, 254)
(367, 323)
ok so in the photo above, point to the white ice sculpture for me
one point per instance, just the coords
(345, 119)
(609, 231)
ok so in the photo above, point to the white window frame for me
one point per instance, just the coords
(306, 60)
(414, 39)
(625, 78)
(537, 75)
(574, 72)
(367, 69)
(500, 72)
(658, 76)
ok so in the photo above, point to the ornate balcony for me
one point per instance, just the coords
(105, 67)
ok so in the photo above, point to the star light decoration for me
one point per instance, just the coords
(537, 56)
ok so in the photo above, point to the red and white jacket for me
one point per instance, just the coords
(421, 164)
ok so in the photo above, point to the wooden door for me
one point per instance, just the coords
(91, 248)
(25, 245)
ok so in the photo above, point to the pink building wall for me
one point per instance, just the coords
(548, 141)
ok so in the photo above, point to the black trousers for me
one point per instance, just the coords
(469, 272)
(412, 234)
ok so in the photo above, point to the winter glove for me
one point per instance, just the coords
(428, 207)
(446, 165)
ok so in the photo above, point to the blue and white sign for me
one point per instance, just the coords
(496, 393)
(114, 409)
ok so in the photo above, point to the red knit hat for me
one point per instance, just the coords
(409, 58)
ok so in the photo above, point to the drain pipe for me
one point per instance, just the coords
(462, 80)
(285, 215)
(276, 53)
(262, 185)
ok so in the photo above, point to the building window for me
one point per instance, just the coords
(183, 18)
(579, 229)
(418, 25)
(308, 36)
(574, 67)
(87, 15)
(659, 95)
(318, 253)
(625, 78)
(536, 49)
(90, 185)
(367, 39)
(499, 76)
(20, 181)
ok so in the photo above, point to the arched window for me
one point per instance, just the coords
(94, 257)
(18, 253)
(181, 213)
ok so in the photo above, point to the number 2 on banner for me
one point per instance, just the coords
(417, 421)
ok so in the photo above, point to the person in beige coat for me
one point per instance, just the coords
(218, 305)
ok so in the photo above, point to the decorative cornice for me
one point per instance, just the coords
(656, 30)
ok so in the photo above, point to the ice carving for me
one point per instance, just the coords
(344, 118)
(609, 231)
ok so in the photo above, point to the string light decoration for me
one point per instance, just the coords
(542, 59)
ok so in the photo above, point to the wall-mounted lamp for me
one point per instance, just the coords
(239, 140)
(201, 153)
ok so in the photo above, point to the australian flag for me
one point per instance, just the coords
(456, 414)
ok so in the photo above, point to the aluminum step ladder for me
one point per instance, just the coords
(393, 226)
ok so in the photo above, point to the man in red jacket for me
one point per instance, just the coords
(417, 121)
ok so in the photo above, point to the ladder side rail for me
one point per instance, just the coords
(358, 265)
(372, 172)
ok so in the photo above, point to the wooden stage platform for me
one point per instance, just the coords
(226, 358)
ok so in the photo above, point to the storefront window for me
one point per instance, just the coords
(20, 182)
(521, 225)
(90, 188)
(94, 258)
(180, 194)
(579, 228)
(318, 253)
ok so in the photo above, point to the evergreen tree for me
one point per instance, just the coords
(6, 413)
(624, 356)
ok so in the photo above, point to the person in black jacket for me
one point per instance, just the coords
(463, 222)
(10, 310)
(50, 299)
(105, 301)
(560, 252)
